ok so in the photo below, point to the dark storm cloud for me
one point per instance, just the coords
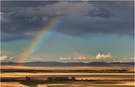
(14, 37)
(79, 18)
(8, 38)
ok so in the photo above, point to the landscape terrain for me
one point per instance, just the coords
(85, 75)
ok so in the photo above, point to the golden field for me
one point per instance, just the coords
(85, 79)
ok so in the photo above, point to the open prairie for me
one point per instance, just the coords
(11, 77)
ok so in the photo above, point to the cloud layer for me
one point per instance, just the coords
(97, 58)
(78, 18)
(75, 57)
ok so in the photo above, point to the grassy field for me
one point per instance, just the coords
(130, 69)
(75, 84)
(38, 79)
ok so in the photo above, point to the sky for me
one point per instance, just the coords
(67, 31)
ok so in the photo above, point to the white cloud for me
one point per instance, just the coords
(77, 57)
(131, 59)
(104, 57)
(65, 58)
(98, 58)
(109, 58)
(6, 58)
(80, 58)
(10, 58)
(3, 58)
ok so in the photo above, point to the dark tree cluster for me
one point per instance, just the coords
(65, 78)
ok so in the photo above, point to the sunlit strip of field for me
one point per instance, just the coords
(73, 84)
(66, 67)
(12, 84)
(25, 74)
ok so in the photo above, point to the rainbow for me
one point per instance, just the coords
(46, 31)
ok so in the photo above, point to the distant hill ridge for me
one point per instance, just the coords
(70, 63)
